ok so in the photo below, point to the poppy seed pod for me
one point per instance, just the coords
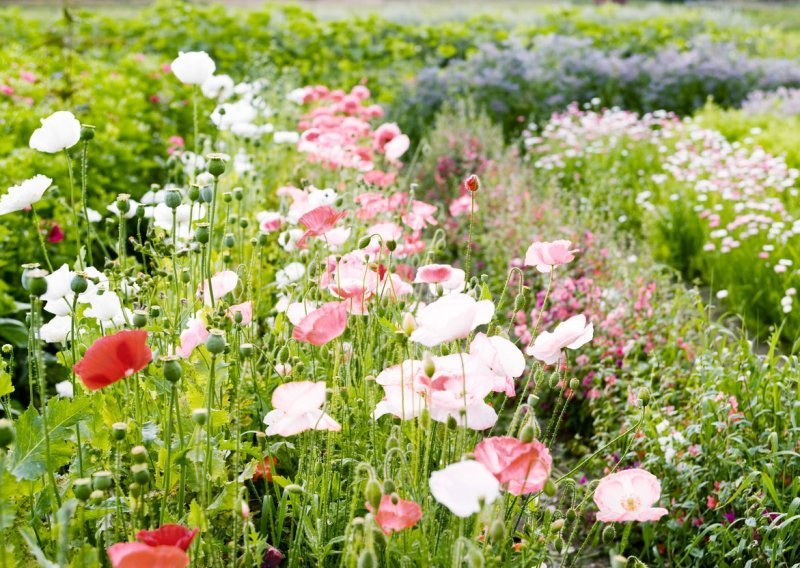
(120, 430)
(200, 416)
(140, 473)
(139, 454)
(238, 193)
(37, 285)
(216, 165)
(82, 488)
(173, 199)
(194, 193)
(87, 132)
(79, 284)
(139, 319)
(245, 349)
(215, 343)
(172, 369)
(227, 197)
(229, 241)
(202, 233)
(123, 203)
(102, 480)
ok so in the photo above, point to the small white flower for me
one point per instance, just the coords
(218, 87)
(722, 294)
(65, 390)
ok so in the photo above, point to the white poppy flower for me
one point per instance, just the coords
(463, 487)
(218, 87)
(193, 67)
(57, 329)
(59, 131)
(65, 389)
(22, 196)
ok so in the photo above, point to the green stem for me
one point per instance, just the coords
(37, 223)
(168, 441)
(84, 170)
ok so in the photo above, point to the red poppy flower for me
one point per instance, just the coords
(114, 357)
(264, 469)
(318, 222)
(137, 555)
(168, 535)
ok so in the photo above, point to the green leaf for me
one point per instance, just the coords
(6, 387)
(30, 540)
(14, 332)
(30, 460)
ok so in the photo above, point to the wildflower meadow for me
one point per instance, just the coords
(333, 285)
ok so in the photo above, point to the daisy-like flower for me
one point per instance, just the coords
(24, 195)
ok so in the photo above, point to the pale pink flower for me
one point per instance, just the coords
(502, 357)
(297, 407)
(449, 318)
(435, 274)
(628, 495)
(462, 205)
(270, 221)
(463, 487)
(384, 134)
(221, 283)
(570, 334)
(319, 221)
(546, 256)
(323, 324)
(397, 147)
(195, 334)
(245, 308)
(524, 467)
(296, 311)
(396, 517)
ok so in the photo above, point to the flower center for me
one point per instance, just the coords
(631, 503)
(129, 372)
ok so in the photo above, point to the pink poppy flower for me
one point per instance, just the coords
(245, 308)
(384, 134)
(628, 495)
(502, 357)
(396, 517)
(397, 147)
(297, 408)
(462, 205)
(570, 334)
(449, 318)
(296, 311)
(195, 334)
(525, 467)
(270, 221)
(434, 273)
(546, 256)
(221, 283)
(137, 554)
(318, 222)
(323, 324)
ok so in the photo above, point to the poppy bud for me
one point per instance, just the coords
(123, 202)
(215, 343)
(428, 365)
(574, 384)
(527, 434)
(391, 245)
(409, 324)
(367, 559)
(559, 544)
(609, 534)
(644, 396)
(79, 284)
(557, 525)
(102, 480)
(262, 239)
(139, 319)
(87, 132)
(216, 165)
(172, 369)
(498, 531)
(373, 494)
(202, 233)
(120, 430)
(186, 275)
(82, 488)
(173, 199)
(244, 223)
(293, 488)
(388, 486)
(550, 488)
(571, 515)
(364, 242)
(7, 433)
(472, 183)
(519, 303)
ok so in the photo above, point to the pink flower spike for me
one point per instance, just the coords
(628, 495)
(323, 324)
(391, 517)
(546, 256)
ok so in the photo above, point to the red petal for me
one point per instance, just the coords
(114, 357)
